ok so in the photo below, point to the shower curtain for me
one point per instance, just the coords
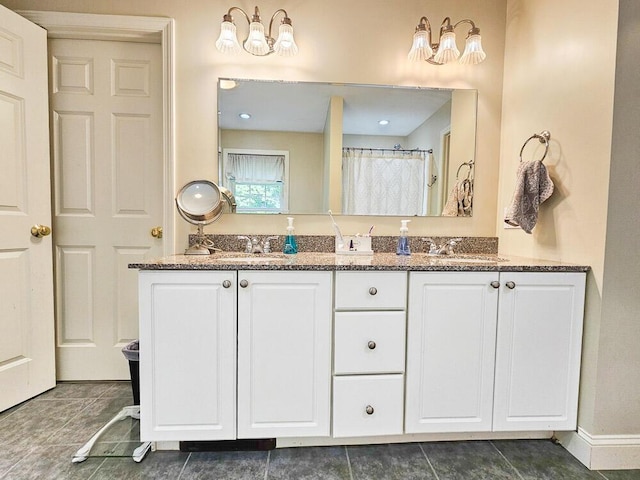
(383, 182)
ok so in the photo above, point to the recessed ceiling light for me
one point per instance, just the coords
(227, 84)
(383, 122)
(245, 116)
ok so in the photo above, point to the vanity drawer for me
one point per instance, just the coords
(371, 290)
(367, 405)
(369, 342)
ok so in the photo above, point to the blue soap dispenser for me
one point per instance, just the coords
(290, 244)
(403, 241)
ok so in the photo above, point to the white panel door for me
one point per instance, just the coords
(450, 351)
(27, 362)
(187, 355)
(284, 354)
(538, 351)
(108, 177)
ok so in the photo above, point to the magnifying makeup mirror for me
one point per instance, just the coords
(200, 203)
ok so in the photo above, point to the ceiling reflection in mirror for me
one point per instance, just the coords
(305, 148)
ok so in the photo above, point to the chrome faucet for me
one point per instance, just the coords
(445, 249)
(254, 245)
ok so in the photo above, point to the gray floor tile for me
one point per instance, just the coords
(401, 461)
(156, 466)
(311, 463)
(120, 390)
(621, 474)
(53, 462)
(471, 460)
(82, 427)
(36, 421)
(76, 390)
(543, 460)
(225, 465)
(10, 455)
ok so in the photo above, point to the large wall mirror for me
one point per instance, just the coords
(305, 148)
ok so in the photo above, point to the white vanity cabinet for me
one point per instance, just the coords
(284, 353)
(187, 355)
(538, 351)
(451, 351)
(369, 354)
(467, 328)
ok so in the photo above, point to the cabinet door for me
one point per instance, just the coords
(187, 355)
(538, 351)
(450, 351)
(284, 354)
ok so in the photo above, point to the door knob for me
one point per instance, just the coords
(40, 231)
(156, 232)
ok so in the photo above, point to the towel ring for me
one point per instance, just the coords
(465, 164)
(543, 137)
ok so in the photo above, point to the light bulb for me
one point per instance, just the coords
(228, 41)
(285, 44)
(473, 52)
(448, 51)
(420, 49)
(256, 43)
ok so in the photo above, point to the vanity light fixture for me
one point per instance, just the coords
(444, 50)
(257, 42)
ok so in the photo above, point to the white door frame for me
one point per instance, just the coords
(84, 26)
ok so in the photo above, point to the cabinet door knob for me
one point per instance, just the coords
(371, 345)
(373, 291)
(510, 285)
(244, 283)
(156, 232)
(495, 284)
(226, 284)
(369, 410)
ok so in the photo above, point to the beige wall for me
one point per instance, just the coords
(305, 161)
(559, 76)
(360, 41)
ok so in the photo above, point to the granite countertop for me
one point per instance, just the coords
(418, 262)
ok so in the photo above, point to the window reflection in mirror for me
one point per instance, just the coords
(319, 127)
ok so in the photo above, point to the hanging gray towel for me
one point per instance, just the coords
(533, 186)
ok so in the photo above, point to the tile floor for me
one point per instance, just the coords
(39, 437)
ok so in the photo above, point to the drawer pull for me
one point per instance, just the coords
(371, 345)
(373, 291)
(226, 284)
(369, 410)
(495, 284)
(244, 283)
(510, 285)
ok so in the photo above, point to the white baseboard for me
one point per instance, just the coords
(602, 452)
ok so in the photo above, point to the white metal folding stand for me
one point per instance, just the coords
(138, 454)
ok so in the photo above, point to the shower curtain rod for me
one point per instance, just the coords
(403, 150)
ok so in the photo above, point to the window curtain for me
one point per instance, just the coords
(377, 182)
(252, 168)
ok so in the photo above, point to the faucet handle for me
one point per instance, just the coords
(432, 245)
(267, 243)
(249, 245)
(452, 242)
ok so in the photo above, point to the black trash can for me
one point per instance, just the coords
(132, 353)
